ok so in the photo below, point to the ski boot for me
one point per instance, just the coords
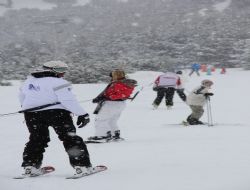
(155, 106)
(116, 136)
(194, 121)
(169, 105)
(32, 171)
(106, 138)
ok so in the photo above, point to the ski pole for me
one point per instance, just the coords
(209, 112)
(132, 98)
(31, 109)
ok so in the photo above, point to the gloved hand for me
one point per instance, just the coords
(82, 120)
(208, 94)
(98, 99)
(95, 100)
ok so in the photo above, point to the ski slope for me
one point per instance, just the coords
(158, 154)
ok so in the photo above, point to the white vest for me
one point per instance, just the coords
(196, 98)
(40, 91)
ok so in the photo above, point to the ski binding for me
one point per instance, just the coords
(95, 170)
(44, 170)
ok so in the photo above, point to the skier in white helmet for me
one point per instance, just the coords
(46, 86)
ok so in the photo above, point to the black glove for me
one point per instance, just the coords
(98, 99)
(82, 120)
(208, 94)
(95, 100)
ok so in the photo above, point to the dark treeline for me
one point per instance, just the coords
(134, 35)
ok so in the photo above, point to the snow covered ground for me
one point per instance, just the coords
(158, 154)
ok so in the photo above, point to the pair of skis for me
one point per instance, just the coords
(50, 169)
(185, 123)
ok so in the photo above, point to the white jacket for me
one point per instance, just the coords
(40, 91)
(196, 97)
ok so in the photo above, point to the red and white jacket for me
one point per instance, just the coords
(167, 80)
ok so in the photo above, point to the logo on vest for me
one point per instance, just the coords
(32, 87)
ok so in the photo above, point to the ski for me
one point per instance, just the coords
(93, 141)
(185, 123)
(95, 170)
(103, 141)
(44, 170)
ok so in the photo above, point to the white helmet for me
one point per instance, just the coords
(55, 66)
(207, 83)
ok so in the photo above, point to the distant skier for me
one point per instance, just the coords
(111, 103)
(209, 69)
(46, 86)
(195, 68)
(196, 100)
(165, 86)
(180, 88)
(223, 70)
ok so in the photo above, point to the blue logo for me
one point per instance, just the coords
(32, 87)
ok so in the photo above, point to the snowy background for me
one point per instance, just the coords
(157, 154)
(96, 36)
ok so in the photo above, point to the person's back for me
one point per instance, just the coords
(44, 88)
(120, 90)
(168, 79)
(165, 85)
(196, 66)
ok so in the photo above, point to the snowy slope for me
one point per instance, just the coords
(157, 153)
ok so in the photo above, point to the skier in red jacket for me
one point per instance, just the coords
(111, 103)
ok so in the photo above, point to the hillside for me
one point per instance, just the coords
(97, 35)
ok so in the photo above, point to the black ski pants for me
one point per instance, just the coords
(168, 93)
(61, 121)
(181, 94)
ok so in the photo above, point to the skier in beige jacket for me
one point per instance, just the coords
(196, 101)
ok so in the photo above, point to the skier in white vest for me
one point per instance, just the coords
(46, 86)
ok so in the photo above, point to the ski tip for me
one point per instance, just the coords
(101, 167)
(19, 177)
(185, 123)
(48, 168)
